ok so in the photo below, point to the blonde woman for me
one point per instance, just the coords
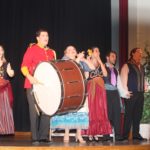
(6, 99)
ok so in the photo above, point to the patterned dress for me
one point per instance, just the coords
(98, 118)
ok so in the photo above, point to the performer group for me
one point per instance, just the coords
(110, 94)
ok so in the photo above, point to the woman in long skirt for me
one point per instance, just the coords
(98, 119)
(6, 98)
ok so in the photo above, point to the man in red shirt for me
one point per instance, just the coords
(35, 54)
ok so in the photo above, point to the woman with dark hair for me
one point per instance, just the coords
(98, 120)
(6, 99)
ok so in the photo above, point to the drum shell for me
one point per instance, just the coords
(73, 87)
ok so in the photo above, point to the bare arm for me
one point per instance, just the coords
(25, 72)
(102, 67)
(89, 63)
(10, 71)
(124, 76)
(123, 92)
(80, 57)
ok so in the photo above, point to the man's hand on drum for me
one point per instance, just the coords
(32, 79)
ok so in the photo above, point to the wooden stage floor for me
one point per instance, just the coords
(22, 141)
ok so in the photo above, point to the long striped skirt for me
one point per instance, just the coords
(6, 114)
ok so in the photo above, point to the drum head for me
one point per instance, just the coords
(48, 93)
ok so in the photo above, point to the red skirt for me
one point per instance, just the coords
(6, 114)
(98, 119)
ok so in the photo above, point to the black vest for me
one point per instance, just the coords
(135, 78)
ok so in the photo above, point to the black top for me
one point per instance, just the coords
(3, 71)
(95, 73)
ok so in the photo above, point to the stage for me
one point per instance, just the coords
(22, 141)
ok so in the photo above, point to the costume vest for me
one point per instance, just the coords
(108, 78)
(135, 78)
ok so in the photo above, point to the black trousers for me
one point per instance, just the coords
(39, 123)
(114, 110)
(133, 113)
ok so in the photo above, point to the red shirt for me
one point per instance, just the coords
(32, 57)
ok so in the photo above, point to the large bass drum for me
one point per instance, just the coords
(62, 87)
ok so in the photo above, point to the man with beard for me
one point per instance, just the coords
(132, 76)
(114, 91)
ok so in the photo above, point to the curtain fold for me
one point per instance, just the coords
(123, 32)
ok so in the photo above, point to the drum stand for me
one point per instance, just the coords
(58, 133)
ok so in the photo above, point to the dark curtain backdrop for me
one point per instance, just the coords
(82, 23)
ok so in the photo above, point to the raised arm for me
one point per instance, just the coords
(102, 66)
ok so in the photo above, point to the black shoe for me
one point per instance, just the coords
(45, 141)
(96, 138)
(35, 142)
(125, 139)
(90, 138)
(119, 138)
(139, 138)
(107, 138)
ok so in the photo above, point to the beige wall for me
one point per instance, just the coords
(139, 23)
